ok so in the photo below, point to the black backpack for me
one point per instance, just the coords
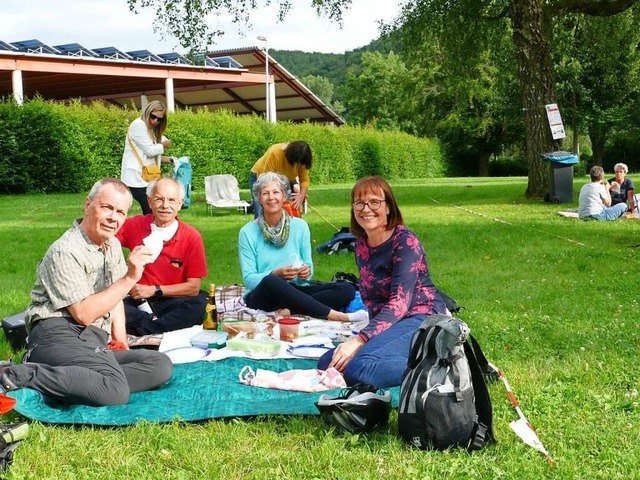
(444, 400)
(341, 242)
(347, 278)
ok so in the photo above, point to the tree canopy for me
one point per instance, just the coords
(193, 24)
(465, 26)
(531, 24)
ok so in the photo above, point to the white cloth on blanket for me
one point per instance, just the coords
(311, 380)
(178, 338)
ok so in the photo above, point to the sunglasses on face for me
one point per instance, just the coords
(153, 117)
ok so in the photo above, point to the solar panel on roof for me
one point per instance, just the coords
(34, 46)
(7, 46)
(75, 50)
(111, 53)
(174, 58)
(227, 62)
(145, 56)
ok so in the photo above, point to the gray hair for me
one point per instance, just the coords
(118, 185)
(268, 177)
(622, 166)
(151, 187)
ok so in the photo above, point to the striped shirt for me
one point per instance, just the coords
(74, 268)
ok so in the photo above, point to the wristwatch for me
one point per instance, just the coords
(159, 293)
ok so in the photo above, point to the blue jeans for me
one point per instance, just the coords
(611, 213)
(171, 313)
(383, 359)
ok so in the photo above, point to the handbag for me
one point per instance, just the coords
(149, 172)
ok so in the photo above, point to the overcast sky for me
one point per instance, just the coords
(104, 23)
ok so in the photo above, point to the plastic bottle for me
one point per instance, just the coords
(211, 311)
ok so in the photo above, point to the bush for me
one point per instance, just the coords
(13, 178)
(52, 147)
(508, 166)
(622, 148)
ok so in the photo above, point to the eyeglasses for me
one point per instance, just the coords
(160, 200)
(374, 204)
(154, 117)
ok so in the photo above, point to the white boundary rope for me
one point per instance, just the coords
(322, 216)
(503, 221)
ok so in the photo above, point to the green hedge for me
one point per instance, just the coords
(53, 147)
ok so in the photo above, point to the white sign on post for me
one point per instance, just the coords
(555, 121)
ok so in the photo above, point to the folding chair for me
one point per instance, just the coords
(222, 191)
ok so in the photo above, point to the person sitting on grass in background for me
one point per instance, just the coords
(293, 160)
(622, 188)
(595, 200)
(395, 285)
(170, 285)
(76, 302)
(275, 258)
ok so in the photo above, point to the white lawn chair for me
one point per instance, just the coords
(222, 191)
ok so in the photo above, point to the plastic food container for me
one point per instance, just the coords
(254, 346)
(209, 339)
(288, 329)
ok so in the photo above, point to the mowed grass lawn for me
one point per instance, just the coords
(553, 302)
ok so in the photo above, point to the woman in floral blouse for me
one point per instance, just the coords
(395, 286)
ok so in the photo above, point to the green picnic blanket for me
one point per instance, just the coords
(197, 391)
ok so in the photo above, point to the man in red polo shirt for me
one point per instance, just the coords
(171, 284)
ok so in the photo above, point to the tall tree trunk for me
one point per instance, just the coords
(598, 137)
(483, 163)
(576, 140)
(574, 126)
(530, 36)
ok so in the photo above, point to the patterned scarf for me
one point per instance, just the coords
(279, 234)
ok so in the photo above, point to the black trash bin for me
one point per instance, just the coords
(560, 175)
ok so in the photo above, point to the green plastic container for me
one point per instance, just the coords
(209, 339)
(265, 346)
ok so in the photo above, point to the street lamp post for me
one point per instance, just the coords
(266, 73)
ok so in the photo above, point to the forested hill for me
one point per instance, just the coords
(333, 66)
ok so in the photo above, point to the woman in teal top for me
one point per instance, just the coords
(275, 258)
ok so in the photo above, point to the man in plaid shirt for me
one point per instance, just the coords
(76, 303)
